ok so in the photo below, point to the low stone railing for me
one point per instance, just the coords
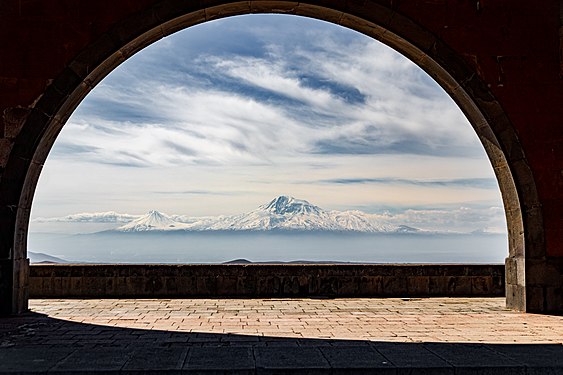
(264, 280)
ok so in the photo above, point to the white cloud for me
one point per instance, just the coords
(400, 112)
(89, 217)
(276, 77)
(462, 219)
(203, 127)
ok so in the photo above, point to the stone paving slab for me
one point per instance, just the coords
(280, 336)
(94, 359)
(221, 358)
(357, 357)
(407, 358)
(166, 359)
(282, 360)
(31, 359)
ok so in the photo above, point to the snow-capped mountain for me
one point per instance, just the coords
(283, 213)
(154, 220)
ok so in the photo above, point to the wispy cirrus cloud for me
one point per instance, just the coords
(480, 183)
(304, 97)
(200, 192)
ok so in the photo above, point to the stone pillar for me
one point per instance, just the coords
(515, 283)
(6, 283)
(14, 274)
(515, 274)
(14, 265)
(534, 269)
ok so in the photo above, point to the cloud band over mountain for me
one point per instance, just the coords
(89, 217)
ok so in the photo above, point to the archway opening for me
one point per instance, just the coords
(211, 124)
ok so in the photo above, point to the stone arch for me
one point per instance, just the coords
(48, 115)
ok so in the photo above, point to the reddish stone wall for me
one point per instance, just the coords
(142, 281)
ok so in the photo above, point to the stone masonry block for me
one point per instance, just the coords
(370, 286)
(170, 285)
(554, 298)
(481, 285)
(347, 286)
(14, 118)
(418, 285)
(328, 286)
(395, 286)
(227, 285)
(206, 285)
(154, 284)
(535, 299)
(246, 285)
(449, 285)
(75, 286)
(5, 149)
(187, 285)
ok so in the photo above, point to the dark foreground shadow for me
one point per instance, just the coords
(35, 343)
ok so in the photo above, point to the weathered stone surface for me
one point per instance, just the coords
(410, 359)
(165, 359)
(474, 358)
(6, 285)
(239, 359)
(13, 119)
(287, 359)
(363, 358)
(32, 359)
(264, 280)
(105, 359)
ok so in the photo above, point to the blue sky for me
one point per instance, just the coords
(224, 116)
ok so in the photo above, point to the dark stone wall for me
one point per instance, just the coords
(258, 280)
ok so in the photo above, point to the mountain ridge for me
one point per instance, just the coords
(283, 213)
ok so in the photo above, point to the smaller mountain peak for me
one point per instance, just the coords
(151, 221)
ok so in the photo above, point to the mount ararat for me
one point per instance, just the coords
(283, 213)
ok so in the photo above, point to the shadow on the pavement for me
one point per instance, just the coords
(35, 343)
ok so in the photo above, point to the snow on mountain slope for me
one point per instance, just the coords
(154, 220)
(361, 222)
(282, 213)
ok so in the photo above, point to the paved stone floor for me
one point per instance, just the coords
(394, 336)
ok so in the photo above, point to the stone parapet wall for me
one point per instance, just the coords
(264, 280)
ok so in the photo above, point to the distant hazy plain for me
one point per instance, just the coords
(150, 247)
